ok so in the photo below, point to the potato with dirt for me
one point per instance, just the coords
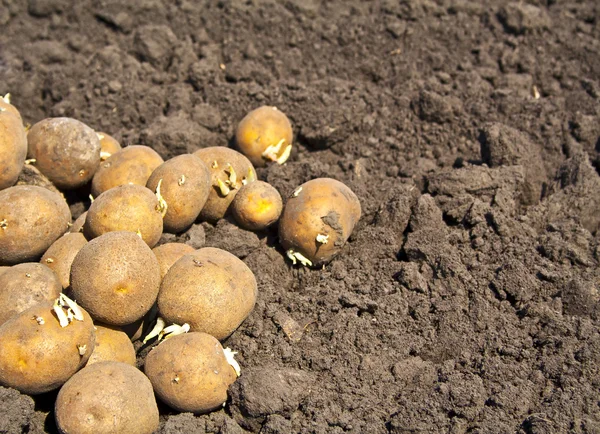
(112, 345)
(229, 170)
(190, 372)
(107, 398)
(31, 219)
(65, 150)
(257, 206)
(169, 253)
(13, 148)
(60, 255)
(183, 183)
(317, 221)
(211, 290)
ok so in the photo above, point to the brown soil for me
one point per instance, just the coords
(467, 298)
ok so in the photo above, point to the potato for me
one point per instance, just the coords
(185, 183)
(264, 135)
(211, 290)
(31, 219)
(65, 150)
(38, 355)
(167, 254)
(256, 206)
(77, 225)
(224, 182)
(116, 278)
(125, 208)
(108, 145)
(318, 220)
(13, 148)
(6, 106)
(31, 175)
(190, 372)
(24, 285)
(132, 165)
(60, 255)
(112, 345)
(107, 397)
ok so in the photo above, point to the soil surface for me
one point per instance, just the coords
(467, 298)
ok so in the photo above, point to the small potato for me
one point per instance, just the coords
(190, 372)
(77, 225)
(107, 398)
(132, 165)
(65, 150)
(318, 220)
(265, 135)
(24, 285)
(13, 148)
(38, 355)
(130, 208)
(108, 145)
(257, 206)
(112, 345)
(184, 185)
(116, 278)
(60, 255)
(211, 290)
(31, 219)
(169, 253)
(229, 170)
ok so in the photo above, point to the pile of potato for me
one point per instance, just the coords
(74, 295)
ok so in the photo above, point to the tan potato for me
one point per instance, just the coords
(108, 145)
(65, 150)
(190, 372)
(318, 220)
(224, 182)
(107, 398)
(3, 269)
(24, 285)
(265, 135)
(13, 148)
(130, 208)
(131, 165)
(6, 106)
(169, 253)
(112, 345)
(60, 255)
(115, 277)
(77, 225)
(31, 219)
(38, 355)
(257, 206)
(211, 290)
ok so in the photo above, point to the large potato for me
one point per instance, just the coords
(107, 398)
(112, 345)
(211, 290)
(31, 219)
(61, 253)
(13, 148)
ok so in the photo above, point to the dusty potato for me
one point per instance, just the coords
(265, 134)
(125, 208)
(38, 354)
(190, 372)
(108, 145)
(25, 285)
(77, 225)
(61, 253)
(31, 175)
(112, 345)
(65, 150)
(257, 206)
(229, 170)
(115, 277)
(211, 290)
(318, 220)
(169, 253)
(13, 148)
(107, 398)
(31, 219)
(131, 165)
(184, 185)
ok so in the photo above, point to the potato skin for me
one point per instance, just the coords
(107, 397)
(37, 358)
(257, 206)
(131, 165)
(115, 277)
(77, 225)
(33, 218)
(112, 345)
(66, 150)
(323, 206)
(217, 205)
(190, 373)
(6, 107)
(60, 255)
(169, 253)
(24, 285)
(108, 145)
(130, 208)
(13, 148)
(185, 187)
(211, 290)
